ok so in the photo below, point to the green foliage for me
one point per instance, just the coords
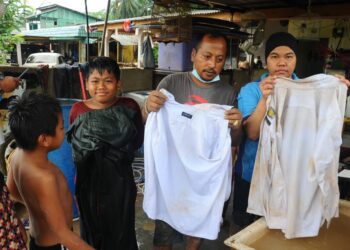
(155, 51)
(12, 19)
(121, 9)
(99, 14)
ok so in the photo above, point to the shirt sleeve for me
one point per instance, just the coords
(72, 114)
(132, 104)
(164, 83)
(248, 99)
(77, 109)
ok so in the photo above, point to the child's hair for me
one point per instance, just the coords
(31, 116)
(101, 64)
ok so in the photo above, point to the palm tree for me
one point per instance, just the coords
(121, 9)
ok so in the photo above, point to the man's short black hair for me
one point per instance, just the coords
(31, 116)
(211, 35)
(101, 64)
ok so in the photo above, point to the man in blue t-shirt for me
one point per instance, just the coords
(281, 57)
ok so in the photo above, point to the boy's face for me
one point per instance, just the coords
(103, 88)
(58, 138)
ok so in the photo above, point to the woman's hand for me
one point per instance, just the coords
(267, 85)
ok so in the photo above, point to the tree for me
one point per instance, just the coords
(11, 19)
(99, 14)
(121, 9)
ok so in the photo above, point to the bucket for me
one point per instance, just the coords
(62, 157)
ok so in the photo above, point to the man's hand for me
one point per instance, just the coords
(9, 83)
(267, 85)
(155, 101)
(234, 118)
(343, 80)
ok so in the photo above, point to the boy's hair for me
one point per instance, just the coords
(101, 64)
(31, 116)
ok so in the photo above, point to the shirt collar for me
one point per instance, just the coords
(294, 76)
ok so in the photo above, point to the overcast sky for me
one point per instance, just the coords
(93, 5)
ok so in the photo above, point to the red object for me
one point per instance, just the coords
(82, 85)
(126, 25)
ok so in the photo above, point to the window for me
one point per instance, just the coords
(60, 60)
(33, 26)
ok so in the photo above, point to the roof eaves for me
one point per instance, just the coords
(144, 18)
(66, 31)
(57, 5)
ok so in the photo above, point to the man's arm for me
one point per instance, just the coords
(234, 118)
(153, 103)
(51, 211)
(156, 99)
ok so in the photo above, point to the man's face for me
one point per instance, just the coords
(281, 61)
(210, 57)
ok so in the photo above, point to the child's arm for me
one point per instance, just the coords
(12, 187)
(52, 212)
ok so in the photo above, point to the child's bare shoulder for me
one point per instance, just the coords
(39, 177)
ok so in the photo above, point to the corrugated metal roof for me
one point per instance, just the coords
(249, 5)
(126, 39)
(46, 9)
(77, 31)
(142, 18)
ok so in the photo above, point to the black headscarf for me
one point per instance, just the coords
(281, 39)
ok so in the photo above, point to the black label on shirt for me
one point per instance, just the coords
(189, 116)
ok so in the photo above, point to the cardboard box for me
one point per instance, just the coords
(334, 237)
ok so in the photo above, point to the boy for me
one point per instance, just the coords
(37, 125)
(105, 132)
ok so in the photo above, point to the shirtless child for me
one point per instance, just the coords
(37, 125)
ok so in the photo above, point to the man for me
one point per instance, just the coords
(281, 57)
(202, 85)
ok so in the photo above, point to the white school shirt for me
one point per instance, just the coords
(188, 166)
(295, 184)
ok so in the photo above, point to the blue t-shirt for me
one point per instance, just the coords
(248, 99)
